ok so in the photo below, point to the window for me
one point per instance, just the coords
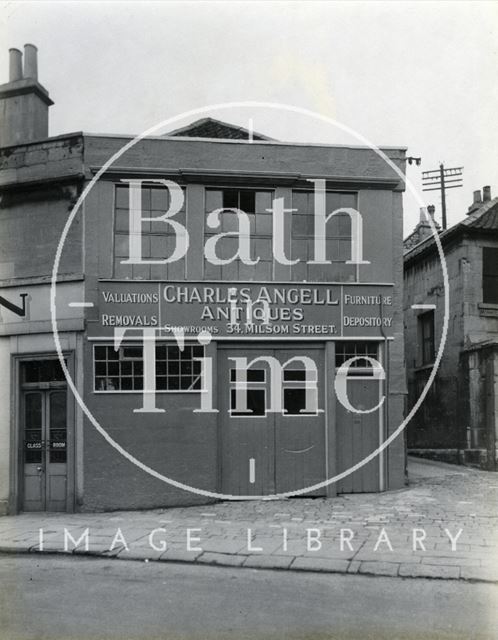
(300, 392)
(123, 370)
(490, 275)
(158, 238)
(338, 241)
(346, 350)
(426, 337)
(255, 397)
(255, 203)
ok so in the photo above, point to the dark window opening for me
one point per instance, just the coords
(256, 403)
(37, 371)
(426, 333)
(295, 402)
(490, 275)
(252, 375)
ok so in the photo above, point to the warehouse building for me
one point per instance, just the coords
(202, 319)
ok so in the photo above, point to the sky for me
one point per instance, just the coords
(421, 75)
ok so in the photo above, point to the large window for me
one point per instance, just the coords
(338, 239)
(255, 203)
(426, 337)
(123, 369)
(490, 275)
(158, 239)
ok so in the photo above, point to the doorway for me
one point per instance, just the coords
(263, 451)
(43, 436)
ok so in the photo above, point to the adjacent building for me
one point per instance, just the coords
(150, 411)
(458, 421)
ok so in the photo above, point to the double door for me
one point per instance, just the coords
(44, 449)
(265, 451)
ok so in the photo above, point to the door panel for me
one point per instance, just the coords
(300, 436)
(44, 450)
(33, 452)
(56, 453)
(247, 438)
(358, 436)
(267, 452)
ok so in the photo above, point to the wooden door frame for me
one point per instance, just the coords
(16, 455)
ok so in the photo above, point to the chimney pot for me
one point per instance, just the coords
(30, 61)
(15, 65)
(477, 196)
(431, 210)
(486, 194)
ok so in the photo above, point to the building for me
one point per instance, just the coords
(177, 408)
(458, 421)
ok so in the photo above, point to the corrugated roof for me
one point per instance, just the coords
(212, 128)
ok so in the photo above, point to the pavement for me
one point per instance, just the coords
(444, 525)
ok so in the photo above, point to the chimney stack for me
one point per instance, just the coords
(30, 61)
(24, 102)
(477, 202)
(486, 194)
(15, 65)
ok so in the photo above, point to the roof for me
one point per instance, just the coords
(486, 217)
(483, 220)
(212, 128)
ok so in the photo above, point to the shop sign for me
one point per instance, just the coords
(248, 310)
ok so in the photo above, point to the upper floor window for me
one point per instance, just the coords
(426, 337)
(256, 204)
(490, 275)
(158, 240)
(338, 239)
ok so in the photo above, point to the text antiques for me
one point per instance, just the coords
(289, 310)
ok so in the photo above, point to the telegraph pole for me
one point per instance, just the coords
(438, 180)
(443, 194)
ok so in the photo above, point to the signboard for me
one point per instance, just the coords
(247, 310)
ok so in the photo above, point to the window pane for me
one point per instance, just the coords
(295, 402)
(256, 403)
(253, 375)
(248, 201)
(230, 199)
